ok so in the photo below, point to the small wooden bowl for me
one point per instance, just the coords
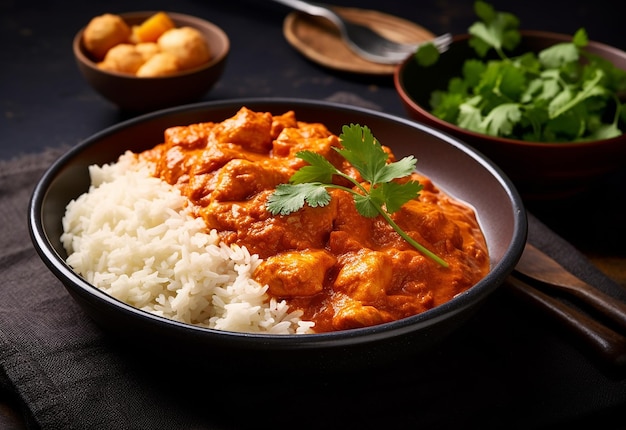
(145, 94)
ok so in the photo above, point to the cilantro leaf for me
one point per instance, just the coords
(498, 30)
(566, 100)
(470, 116)
(446, 105)
(399, 169)
(291, 198)
(363, 151)
(366, 206)
(318, 170)
(427, 54)
(384, 195)
(398, 194)
(606, 131)
(472, 71)
(580, 38)
(558, 55)
(502, 119)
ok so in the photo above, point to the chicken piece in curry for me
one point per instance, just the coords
(341, 269)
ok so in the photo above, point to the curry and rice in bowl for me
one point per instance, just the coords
(183, 230)
(261, 226)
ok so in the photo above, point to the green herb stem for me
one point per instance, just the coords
(409, 239)
(391, 222)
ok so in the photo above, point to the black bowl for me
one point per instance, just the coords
(451, 164)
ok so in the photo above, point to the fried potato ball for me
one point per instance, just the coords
(147, 49)
(104, 32)
(187, 44)
(123, 58)
(160, 64)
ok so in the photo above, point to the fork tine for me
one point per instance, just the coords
(441, 42)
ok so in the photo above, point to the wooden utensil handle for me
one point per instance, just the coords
(536, 266)
(604, 342)
(607, 305)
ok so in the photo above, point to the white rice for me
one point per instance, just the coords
(131, 236)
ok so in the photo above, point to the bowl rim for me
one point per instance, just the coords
(399, 83)
(343, 338)
(83, 58)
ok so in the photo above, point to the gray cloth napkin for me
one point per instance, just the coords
(504, 369)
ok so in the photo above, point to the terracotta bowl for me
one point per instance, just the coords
(539, 170)
(144, 94)
(448, 162)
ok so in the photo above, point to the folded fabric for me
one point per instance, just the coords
(504, 369)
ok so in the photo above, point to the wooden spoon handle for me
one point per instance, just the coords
(607, 305)
(606, 344)
(539, 267)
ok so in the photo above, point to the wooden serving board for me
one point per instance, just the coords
(319, 40)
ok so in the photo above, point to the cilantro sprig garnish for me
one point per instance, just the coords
(560, 94)
(383, 196)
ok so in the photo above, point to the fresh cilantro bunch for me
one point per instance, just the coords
(561, 94)
(383, 196)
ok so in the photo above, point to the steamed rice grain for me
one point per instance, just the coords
(132, 236)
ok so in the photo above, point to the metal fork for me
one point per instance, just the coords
(364, 41)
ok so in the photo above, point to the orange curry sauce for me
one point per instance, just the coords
(342, 269)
